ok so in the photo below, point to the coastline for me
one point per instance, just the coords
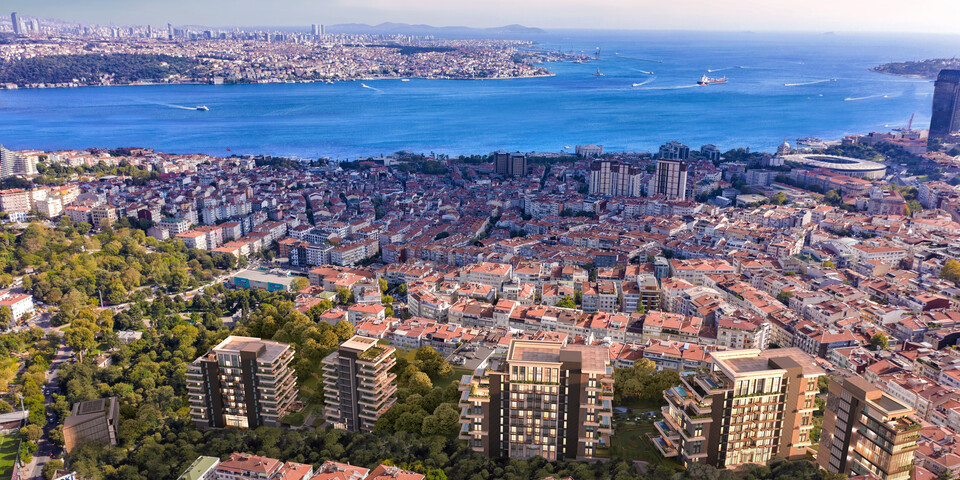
(327, 81)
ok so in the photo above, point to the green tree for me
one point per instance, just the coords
(833, 197)
(298, 284)
(51, 467)
(951, 271)
(430, 361)
(6, 317)
(784, 297)
(344, 330)
(779, 199)
(878, 341)
(567, 302)
(80, 338)
(444, 421)
(31, 433)
(383, 285)
(420, 382)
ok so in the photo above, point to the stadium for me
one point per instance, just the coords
(852, 167)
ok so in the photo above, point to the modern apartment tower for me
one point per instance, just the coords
(358, 385)
(867, 432)
(670, 179)
(613, 178)
(243, 382)
(546, 399)
(750, 407)
(510, 164)
(945, 118)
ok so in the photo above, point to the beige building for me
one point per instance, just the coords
(752, 406)
(548, 400)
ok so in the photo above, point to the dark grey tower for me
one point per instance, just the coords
(945, 119)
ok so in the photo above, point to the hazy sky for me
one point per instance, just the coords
(940, 16)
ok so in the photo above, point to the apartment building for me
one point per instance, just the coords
(752, 406)
(358, 385)
(546, 400)
(243, 382)
(867, 432)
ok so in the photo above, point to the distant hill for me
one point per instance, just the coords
(921, 69)
(390, 28)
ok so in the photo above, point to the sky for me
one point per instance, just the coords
(929, 16)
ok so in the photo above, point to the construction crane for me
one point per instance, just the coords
(909, 125)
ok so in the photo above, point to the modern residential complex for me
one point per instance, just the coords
(243, 382)
(358, 384)
(511, 164)
(546, 400)
(669, 180)
(751, 406)
(867, 432)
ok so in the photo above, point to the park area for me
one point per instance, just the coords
(8, 454)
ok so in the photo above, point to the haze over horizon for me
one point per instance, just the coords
(923, 16)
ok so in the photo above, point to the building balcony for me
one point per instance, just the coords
(666, 447)
(669, 432)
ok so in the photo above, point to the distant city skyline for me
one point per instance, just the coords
(930, 16)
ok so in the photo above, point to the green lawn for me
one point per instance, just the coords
(8, 454)
(630, 442)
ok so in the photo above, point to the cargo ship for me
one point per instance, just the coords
(705, 80)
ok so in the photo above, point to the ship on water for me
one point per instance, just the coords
(202, 108)
(705, 80)
(598, 74)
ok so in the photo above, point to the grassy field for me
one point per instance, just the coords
(8, 454)
(630, 442)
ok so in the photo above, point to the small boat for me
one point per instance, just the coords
(598, 74)
(202, 108)
(404, 79)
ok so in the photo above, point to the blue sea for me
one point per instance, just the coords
(781, 86)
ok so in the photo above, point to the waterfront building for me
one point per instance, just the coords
(547, 400)
(710, 152)
(945, 119)
(867, 432)
(670, 179)
(587, 151)
(358, 385)
(750, 407)
(674, 150)
(243, 382)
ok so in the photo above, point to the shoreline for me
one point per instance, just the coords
(326, 81)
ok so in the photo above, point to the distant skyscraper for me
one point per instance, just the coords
(674, 151)
(510, 164)
(669, 180)
(315, 29)
(169, 32)
(17, 24)
(945, 119)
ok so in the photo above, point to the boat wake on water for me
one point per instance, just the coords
(645, 82)
(868, 97)
(813, 82)
(171, 105)
(676, 87)
(371, 88)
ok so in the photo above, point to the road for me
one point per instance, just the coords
(46, 450)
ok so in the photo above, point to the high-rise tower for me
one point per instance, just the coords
(945, 118)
